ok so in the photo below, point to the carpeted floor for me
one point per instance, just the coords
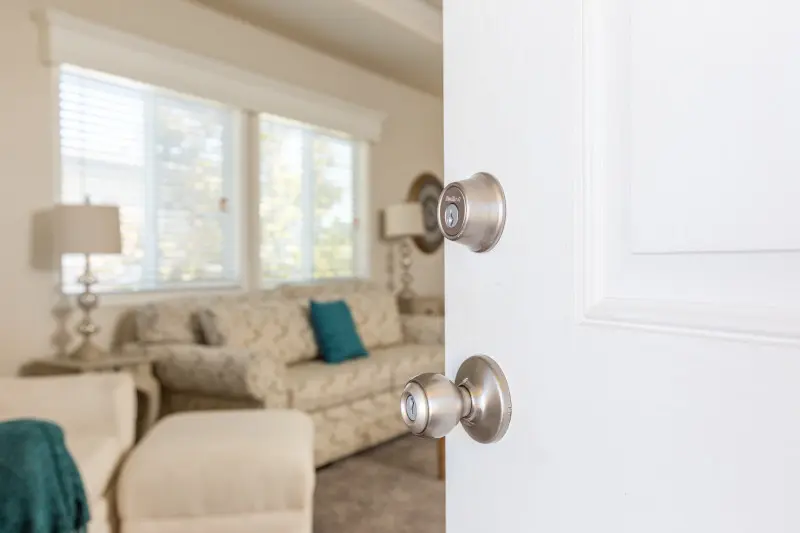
(389, 489)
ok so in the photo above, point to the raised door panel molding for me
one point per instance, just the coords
(764, 325)
(663, 240)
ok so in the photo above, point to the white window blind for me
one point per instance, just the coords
(309, 193)
(169, 161)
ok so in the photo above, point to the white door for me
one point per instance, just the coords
(644, 299)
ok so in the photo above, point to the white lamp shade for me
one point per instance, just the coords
(403, 220)
(87, 229)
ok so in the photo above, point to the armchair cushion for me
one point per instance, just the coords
(97, 413)
(225, 371)
(97, 457)
(92, 404)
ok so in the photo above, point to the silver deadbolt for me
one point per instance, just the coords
(431, 405)
(473, 212)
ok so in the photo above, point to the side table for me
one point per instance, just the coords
(140, 366)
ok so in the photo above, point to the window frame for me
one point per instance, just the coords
(238, 171)
(360, 187)
(247, 224)
(66, 38)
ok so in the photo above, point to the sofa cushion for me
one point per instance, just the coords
(419, 329)
(408, 360)
(167, 322)
(279, 326)
(375, 314)
(227, 371)
(377, 318)
(175, 320)
(317, 385)
(374, 308)
(96, 457)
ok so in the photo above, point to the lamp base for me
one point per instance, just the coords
(88, 351)
(406, 293)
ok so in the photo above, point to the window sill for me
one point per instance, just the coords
(269, 284)
(144, 296)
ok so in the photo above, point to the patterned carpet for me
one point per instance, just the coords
(389, 489)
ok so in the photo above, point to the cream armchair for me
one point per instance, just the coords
(97, 413)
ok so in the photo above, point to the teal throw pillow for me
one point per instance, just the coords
(335, 331)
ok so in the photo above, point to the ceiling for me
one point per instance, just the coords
(399, 39)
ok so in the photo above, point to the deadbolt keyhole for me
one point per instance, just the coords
(411, 408)
(451, 216)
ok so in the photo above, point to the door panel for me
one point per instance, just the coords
(714, 122)
(691, 122)
(654, 372)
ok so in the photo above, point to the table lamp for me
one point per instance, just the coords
(401, 222)
(87, 229)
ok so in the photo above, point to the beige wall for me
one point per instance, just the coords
(412, 140)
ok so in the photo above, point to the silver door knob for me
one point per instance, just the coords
(431, 405)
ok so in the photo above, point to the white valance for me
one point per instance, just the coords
(76, 41)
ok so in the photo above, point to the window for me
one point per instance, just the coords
(172, 163)
(308, 183)
(169, 161)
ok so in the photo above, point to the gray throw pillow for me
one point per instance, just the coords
(207, 320)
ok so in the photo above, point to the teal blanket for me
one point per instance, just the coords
(40, 487)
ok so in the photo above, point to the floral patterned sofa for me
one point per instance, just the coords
(264, 355)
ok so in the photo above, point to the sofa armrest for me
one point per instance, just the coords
(422, 329)
(91, 404)
(221, 371)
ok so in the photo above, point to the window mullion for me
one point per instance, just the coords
(308, 205)
(250, 200)
(150, 237)
(228, 224)
(359, 164)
